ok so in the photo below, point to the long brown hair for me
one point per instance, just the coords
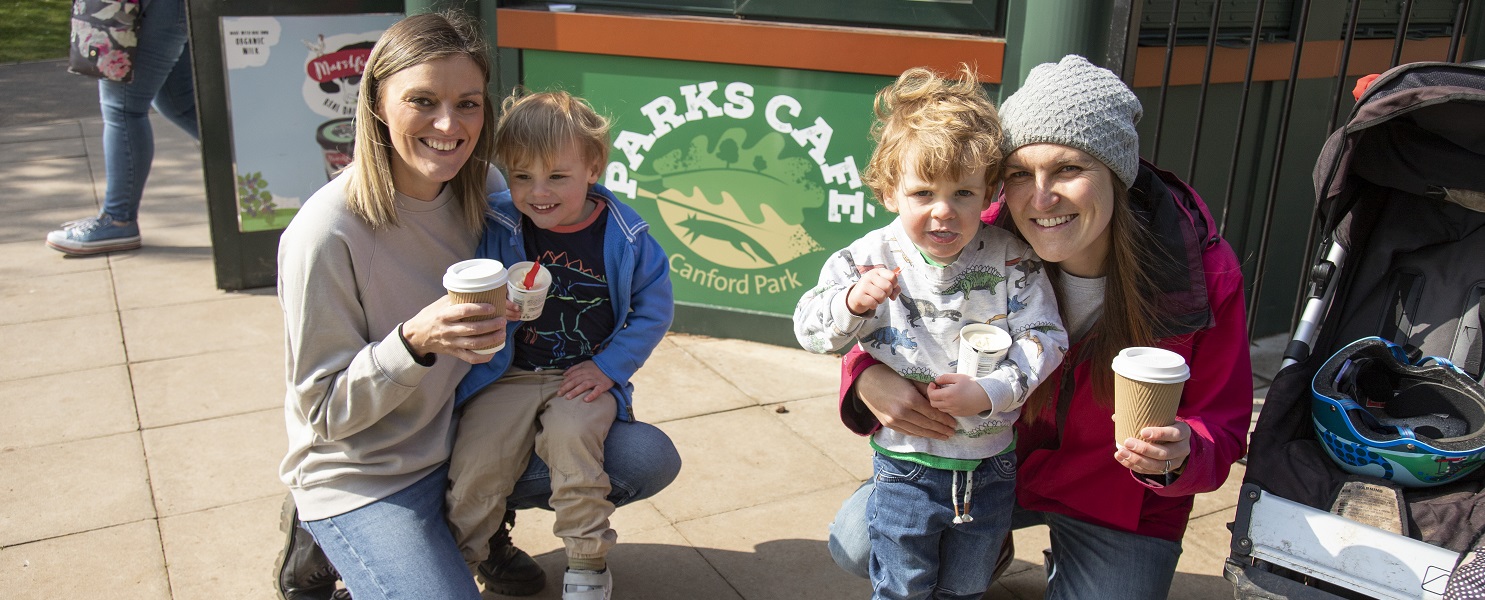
(408, 43)
(1129, 310)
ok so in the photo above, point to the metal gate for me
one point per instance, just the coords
(1240, 96)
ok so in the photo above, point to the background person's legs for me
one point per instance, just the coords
(162, 76)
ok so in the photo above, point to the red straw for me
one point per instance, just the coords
(531, 276)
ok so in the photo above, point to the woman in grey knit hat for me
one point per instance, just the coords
(1136, 261)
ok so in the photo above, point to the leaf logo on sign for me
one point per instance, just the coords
(720, 197)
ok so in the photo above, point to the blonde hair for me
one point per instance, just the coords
(537, 126)
(408, 43)
(952, 125)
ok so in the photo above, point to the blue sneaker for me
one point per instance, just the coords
(94, 235)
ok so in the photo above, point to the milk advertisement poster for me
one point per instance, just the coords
(292, 83)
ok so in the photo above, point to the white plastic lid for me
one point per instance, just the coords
(474, 275)
(1152, 365)
(985, 338)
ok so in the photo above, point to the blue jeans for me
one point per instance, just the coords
(1087, 561)
(400, 546)
(639, 458)
(917, 550)
(162, 77)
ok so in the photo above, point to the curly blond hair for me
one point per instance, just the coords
(951, 124)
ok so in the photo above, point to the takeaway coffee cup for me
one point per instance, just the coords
(478, 280)
(981, 348)
(530, 300)
(1147, 389)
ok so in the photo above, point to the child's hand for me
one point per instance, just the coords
(584, 377)
(958, 395)
(875, 287)
(512, 311)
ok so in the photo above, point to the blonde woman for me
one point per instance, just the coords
(376, 351)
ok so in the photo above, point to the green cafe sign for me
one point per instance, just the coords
(749, 176)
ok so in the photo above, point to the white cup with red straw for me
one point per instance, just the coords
(529, 282)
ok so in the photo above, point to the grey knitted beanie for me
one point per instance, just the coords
(1075, 103)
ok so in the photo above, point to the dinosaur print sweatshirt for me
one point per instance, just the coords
(997, 279)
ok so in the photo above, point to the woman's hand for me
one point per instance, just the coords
(438, 329)
(1157, 450)
(584, 377)
(900, 405)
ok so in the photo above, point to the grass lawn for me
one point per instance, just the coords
(34, 29)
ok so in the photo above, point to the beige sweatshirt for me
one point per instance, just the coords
(364, 419)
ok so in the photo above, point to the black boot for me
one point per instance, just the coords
(303, 571)
(510, 571)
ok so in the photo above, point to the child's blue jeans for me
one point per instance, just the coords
(917, 551)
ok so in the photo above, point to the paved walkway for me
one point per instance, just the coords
(141, 425)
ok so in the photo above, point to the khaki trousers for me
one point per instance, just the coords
(497, 430)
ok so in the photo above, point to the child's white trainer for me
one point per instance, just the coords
(578, 584)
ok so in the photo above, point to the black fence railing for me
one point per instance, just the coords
(1243, 46)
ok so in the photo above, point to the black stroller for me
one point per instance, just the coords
(1401, 195)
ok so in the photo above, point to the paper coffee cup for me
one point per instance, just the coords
(531, 300)
(478, 280)
(981, 348)
(1147, 389)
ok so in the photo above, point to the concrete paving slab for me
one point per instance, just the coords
(48, 183)
(68, 407)
(792, 373)
(169, 245)
(236, 321)
(817, 420)
(172, 211)
(35, 150)
(777, 550)
(674, 385)
(45, 131)
(61, 489)
(29, 257)
(44, 92)
(1221, 499)
(533, 530)
(740, 459)
(140, 277)
(225, 552)
(207, 386)
(215, 463)
(54, 346)
(32, 226)
(120, 563)
(1203, 551)
(656, 564)
(56, 297)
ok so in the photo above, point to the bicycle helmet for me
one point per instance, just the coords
(1378, 413)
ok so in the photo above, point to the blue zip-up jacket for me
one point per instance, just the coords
(638, 285)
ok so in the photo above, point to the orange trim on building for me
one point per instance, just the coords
(814, 47)
(1320, 60)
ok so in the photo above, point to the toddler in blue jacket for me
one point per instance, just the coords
(564, 377)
